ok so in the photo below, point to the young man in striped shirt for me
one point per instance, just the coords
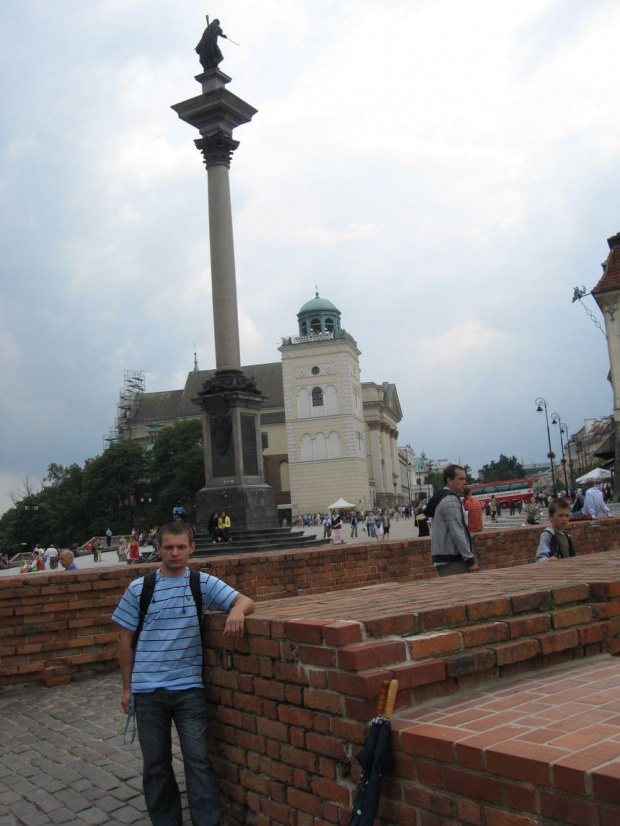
(164, 674)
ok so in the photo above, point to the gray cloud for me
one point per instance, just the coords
(445, 175)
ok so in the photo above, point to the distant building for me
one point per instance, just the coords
(325, 433)
(607, 295)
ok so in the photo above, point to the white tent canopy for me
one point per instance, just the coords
(341, 504)
(598, 474)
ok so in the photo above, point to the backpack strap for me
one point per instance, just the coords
(146, 596)
(194, 584)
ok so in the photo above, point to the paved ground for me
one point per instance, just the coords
(63, 758)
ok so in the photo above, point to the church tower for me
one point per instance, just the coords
(324, 412)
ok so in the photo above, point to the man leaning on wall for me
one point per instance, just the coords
(161, 669)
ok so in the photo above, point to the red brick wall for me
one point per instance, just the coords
(58, 625)
(291, 699)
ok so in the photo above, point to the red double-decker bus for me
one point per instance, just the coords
(518, 490)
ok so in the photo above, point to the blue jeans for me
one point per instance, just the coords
(155, 712)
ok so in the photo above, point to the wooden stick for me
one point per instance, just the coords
(383, 698)
(391, 699)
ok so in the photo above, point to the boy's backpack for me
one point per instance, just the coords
(146, 597)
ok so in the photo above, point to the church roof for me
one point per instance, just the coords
(172, 404)
(610, 279)
(318, 304)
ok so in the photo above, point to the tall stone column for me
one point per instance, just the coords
(230, 401)
(217, 151)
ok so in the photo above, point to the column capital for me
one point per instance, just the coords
(217, 149)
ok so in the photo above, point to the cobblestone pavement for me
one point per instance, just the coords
(62, 758)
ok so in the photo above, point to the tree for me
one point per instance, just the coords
(177, 469)
(113, 485)
(505, 468)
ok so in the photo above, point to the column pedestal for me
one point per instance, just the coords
(234, 479)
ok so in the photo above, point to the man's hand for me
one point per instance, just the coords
(474, 567)
(126, 699)
(235, 622)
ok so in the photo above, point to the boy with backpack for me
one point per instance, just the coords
(160, 657)
(555, 542)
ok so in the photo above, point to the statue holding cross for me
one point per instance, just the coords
(209, 52)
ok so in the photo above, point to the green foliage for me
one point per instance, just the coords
(505, 468)
(113, 484)
(177, 470)
(436, 480)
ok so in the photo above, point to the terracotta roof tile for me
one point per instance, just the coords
(610, 279)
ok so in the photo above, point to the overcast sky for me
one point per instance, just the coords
(446, 172)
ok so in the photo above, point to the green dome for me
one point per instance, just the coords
(318, 304)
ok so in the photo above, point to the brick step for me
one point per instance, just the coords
(535, 750)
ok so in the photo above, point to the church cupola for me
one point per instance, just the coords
(319, 316)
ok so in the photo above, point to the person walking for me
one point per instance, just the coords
(594, 503)
(451, 545)
(533, 512)
(51, 557)
(473, 508)
(161, 669)
(336, 528)
(354, 520)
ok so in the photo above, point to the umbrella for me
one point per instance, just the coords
(372, 757)
(598, 474)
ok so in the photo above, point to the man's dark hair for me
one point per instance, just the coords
(449, 472)
(558, 505)
(176, 529)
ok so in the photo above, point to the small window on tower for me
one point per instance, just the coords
(304, 328)
(329, 325)
(317, 397)
(315, 325)
(316, 371)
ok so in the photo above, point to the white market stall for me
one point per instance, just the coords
(599, 474)
(342, 505)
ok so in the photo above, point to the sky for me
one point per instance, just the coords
(445, 172)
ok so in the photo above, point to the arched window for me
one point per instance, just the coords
(303, 402)
(329, 325)
(306, 448)
(320, 446)
(304, 328)
(317, 397)
(285, 481)
(315, 325)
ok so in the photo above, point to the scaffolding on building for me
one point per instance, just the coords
(129, 396)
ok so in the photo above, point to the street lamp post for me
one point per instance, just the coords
(541, 405)
(408, 451)
(31, 507)
(557, 419)
(564, 429)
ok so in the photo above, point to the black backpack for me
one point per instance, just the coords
(148, 589)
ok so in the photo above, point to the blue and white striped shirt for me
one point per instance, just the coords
(169, 651)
